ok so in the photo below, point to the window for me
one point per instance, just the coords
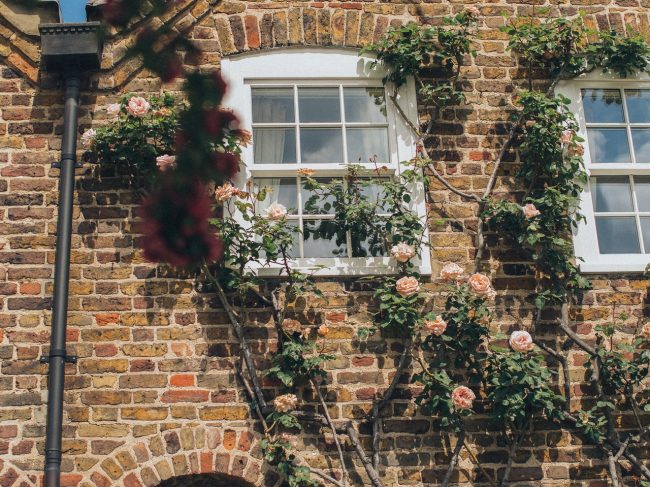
(320, 110)
(614, 118)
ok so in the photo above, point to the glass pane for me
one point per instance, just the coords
(603, 106)
(367, 145)
(364, 105)
(323, 238)
(294, 251)
(617, 235)
(274, 146)
(319, 105)
(316, 204)
(612, 194)
(638, 105)
(375, 193)
(642, 188)
(608, 146)
(645, 228)
(641, 141)
(279, 190)
(273, 105)
(370, 244)
(321, 146)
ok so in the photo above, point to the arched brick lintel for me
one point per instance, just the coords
(179, 452)
(300, 26)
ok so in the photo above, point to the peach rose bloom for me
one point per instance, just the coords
(306, 172)
(165, 162)
(451, 272)
(462, 397)
(480, 283)
(473, 11)
(276, 211)
(645, 331)
(114, 109)
(578, 150)
(521, 341)
(225, 192)
(567, 136)
(402, 252)
(291, 326)
(88, 137)
(436, 327)
(323, 330)
(138, 106)
(407, 286)
(530, 211)
(285, 403)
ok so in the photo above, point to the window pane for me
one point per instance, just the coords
(642, 188)
(612, 194)
(279, 190)
(319, 105)
(370, 244)
(323, 238)
(641, 141)
(321, 146)
(375, 193)
(638, 105)
(367, 145)
(273, 105)
(274, 146)
(645, 228)
(617, 235)
(608, 146)
(315, 204)
(364, 105)
(603, 106)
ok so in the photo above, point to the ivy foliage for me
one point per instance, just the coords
(407, 49)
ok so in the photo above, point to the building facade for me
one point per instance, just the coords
(153, 399)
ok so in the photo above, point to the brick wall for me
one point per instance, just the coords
(153, 394)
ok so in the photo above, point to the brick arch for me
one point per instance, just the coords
(340, 25)
(185, 451)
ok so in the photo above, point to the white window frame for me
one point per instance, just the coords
(585, 237)
(321, 66)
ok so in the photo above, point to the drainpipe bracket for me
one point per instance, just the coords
(69, 359)
(57, 165)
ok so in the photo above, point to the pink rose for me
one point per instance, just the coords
(165, 162)
(521, 341)
(567, 136)
(114, 109)
(88, 138)
(285, 403)
(577, 150)
(480, 283)
(530, 211)
(138, 106)
(645, 331)
(225, 192)
(276, 211)
(451, 272)
(436, 327)
(462, 397)
(472, 11)
(402, 252)
(407, 286)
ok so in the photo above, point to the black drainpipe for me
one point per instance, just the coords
(70, 49)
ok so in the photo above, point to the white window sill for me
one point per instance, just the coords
(624, 264)
(332, 267)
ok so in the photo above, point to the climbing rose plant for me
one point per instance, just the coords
(185, 156)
